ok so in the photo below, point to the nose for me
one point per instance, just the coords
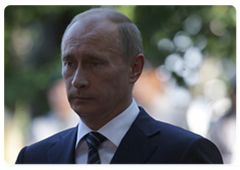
(80, 79)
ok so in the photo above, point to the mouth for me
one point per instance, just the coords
(81, 99)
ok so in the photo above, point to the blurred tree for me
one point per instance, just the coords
(210, 28)
(32, 51)
(33, 36)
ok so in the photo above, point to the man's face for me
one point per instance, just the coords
(95, 74)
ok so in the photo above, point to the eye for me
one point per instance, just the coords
(68, 64)
(95, 63)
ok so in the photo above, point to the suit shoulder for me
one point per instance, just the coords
(152, 126)
(52, 139)
(177, 145)
(164, 134)
(44, 144)
(178, 132)
(38, 153)
(182, 146)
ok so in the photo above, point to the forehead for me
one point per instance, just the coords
(90, 26)
(97, 32)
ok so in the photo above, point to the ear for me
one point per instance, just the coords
(137, 64)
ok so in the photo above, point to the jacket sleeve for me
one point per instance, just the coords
(20, 157)
(202, 151)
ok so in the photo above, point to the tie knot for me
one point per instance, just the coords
(94, 139)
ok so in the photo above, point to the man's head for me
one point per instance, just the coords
(101, 60)
(129, 37)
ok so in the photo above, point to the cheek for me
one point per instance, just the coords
(114, 84)
(67, 75)
(68, 82)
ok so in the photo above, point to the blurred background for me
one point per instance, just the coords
(189, 79)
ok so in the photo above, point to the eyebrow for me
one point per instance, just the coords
(95, 57)
(92, 57)
(65, 56)
(87, 56)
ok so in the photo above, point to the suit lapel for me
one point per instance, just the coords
(63, 150)
(136, 147)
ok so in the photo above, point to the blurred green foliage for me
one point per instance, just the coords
(33, 36)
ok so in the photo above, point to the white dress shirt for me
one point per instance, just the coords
(114, 131)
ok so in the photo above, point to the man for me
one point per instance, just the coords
(102, 58)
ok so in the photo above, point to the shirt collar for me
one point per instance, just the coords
(115, 129)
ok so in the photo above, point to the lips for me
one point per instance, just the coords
(77, 96)
(81, 99)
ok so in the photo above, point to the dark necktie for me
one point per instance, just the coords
(94, 140)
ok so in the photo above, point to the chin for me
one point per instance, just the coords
(85, 111)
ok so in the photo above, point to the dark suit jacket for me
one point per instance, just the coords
(147, 141)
